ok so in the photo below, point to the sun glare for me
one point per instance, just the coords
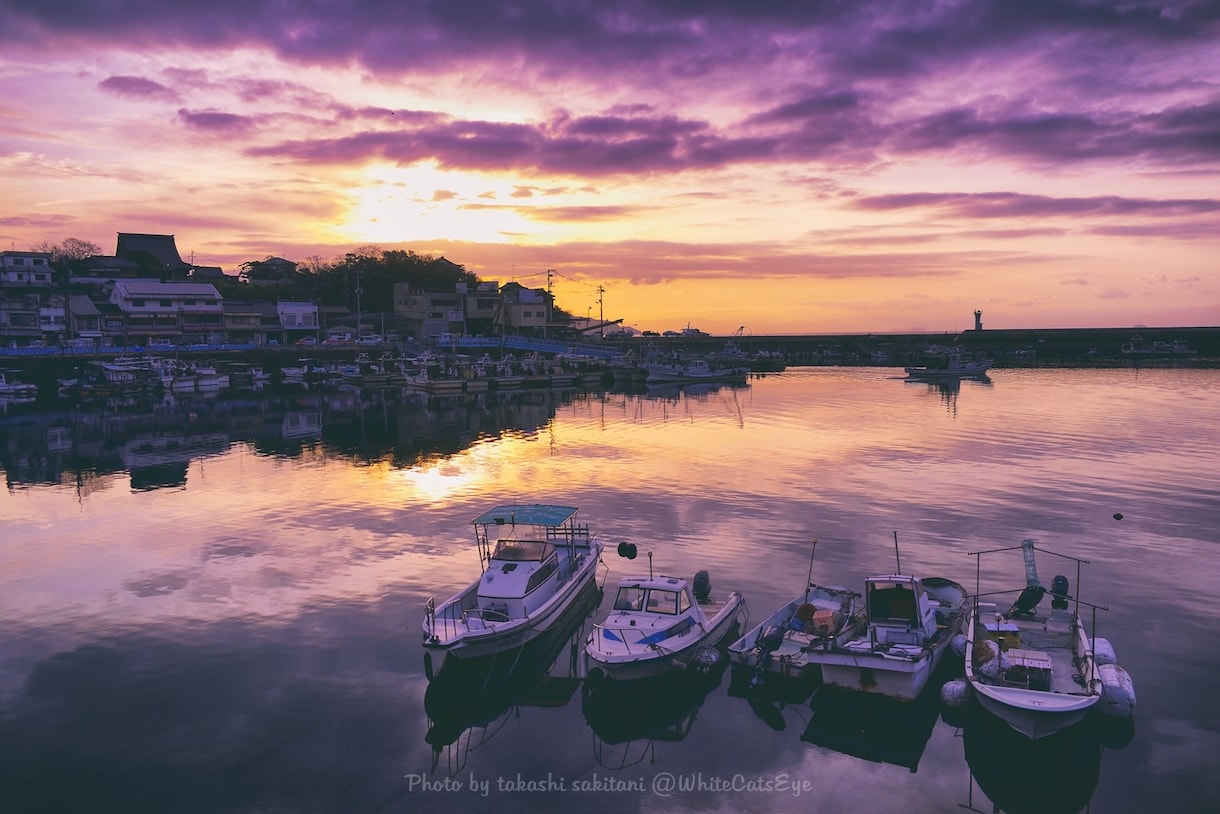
(392, 204)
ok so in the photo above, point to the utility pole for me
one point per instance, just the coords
(601, 310)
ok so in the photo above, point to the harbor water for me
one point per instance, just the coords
(216, 605)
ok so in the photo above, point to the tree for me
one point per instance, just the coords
(70, 250)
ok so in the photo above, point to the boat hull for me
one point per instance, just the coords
(1035, 713)
(452, 631)
(880, 675)
(789, 657)
(634, 666)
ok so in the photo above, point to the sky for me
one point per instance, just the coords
(762, 167)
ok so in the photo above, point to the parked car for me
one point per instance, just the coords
(306, 341)
(370, 340)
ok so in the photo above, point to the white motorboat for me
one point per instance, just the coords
(535, 560)
(909, 624)
(953, 366)
(693, 370)
(781, 643)
(659, 624)
(16, 392)
(1035, 671)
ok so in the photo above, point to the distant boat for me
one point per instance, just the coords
(1138, 347)
(693, 370)
(15, 392)
(954, 366)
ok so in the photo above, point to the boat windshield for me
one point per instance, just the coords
(888, 600)
(521, 550)
(654, 600)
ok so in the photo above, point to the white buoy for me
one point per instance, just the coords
(953, 693)
(1117, 691)
(987, 659)
(1103, 651)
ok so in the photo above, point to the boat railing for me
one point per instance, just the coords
(578, 533)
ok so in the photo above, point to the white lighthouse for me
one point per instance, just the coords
(978, 320)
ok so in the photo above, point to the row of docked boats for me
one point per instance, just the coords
(1039, 673)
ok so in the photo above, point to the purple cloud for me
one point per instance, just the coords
(137, 87)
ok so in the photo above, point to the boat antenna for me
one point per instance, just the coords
(650, 565)
(897, 559)
(809, 580)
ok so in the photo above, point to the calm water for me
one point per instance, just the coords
(217, 606)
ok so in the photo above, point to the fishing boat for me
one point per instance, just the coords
(16, 392)
(1035, 671)
(696, 369)
(909, 624)
(780, 645)
(659, 624)
(952, 366)
(535, 559)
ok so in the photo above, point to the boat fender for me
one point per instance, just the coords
(1103, 651)
(953, 693)
(987, 659)
(705, 659)
(958, 643)
(1117, 691)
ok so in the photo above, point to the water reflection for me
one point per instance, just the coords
(1057, 774)
(873, 727)
(629, 718)
(469, 700)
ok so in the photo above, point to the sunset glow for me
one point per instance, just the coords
(790, 168)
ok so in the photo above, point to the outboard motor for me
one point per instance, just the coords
(1028, 601)
(702, 587)
(1059, 592)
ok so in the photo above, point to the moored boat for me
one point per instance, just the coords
(694, 370)
(659, 624)
(1035, 671)
(909, 624)
(535, 558)
(780, 644)
(952, 366)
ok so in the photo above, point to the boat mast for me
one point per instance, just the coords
(809, 579)
(897, 559)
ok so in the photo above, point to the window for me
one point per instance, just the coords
(18, 261)
(663, 601)
(137, 303)
(630, 598)
(167, 303)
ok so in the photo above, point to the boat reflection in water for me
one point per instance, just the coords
(468, 700)
(628, 718)
(875, 727)
(1057, 774)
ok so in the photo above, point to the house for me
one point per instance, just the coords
(25, 270)
(159, 252)
(179, 312)
(83, 319)
(252, 323)
(298, 320)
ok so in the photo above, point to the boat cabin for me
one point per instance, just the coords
(899, 610)
(670, 596)
(511, 582)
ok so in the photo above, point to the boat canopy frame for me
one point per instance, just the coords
(538, 522)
